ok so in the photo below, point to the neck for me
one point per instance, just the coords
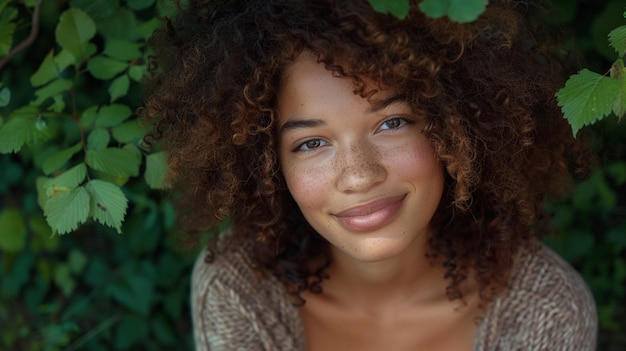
(389, 284)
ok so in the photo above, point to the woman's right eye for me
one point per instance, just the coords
(310, 145)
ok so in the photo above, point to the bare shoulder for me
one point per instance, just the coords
(548, 307)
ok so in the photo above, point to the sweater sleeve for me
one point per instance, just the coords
(548, 307)
(221, 320)
(234, 308)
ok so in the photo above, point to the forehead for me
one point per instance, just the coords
(306, 78)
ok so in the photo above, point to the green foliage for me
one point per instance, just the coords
(462, 11)
(103, 142)
(398, 8)
(591, 234)
(71, 160)
(589, 97)
(7, 26)
(73, 33)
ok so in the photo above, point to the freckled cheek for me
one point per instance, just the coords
(416, 159)
(308, 185)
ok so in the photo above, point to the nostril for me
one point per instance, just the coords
(360, 176)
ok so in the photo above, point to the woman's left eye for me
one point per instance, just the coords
(393, 123)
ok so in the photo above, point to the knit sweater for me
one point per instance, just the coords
(547, 307)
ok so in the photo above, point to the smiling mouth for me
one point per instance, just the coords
(372, 215)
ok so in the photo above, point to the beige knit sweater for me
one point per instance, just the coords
(548, 307)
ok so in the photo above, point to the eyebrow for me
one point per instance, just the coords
(303, 123)
(388, 101)
(311, 123)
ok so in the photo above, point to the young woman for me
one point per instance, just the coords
(382, 179)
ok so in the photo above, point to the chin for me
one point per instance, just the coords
(376, 250)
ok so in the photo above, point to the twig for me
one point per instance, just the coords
(28, 41)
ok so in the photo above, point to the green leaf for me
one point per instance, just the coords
(104, 68)
(135, 288)
(12, 230)
(43, 233)
(119, 87)
(46, 72)
(130, 131)
(88, 118)
(586, 98)
(97, 8)
(74, 31)
(399, 8)
(617, 39)
(58, 104)
(113, 115)
(105, 116)
(56, 87)
(40, 184)
(98, 139)
(77, 261)
(156, 165)
(116, 162)
(618, 72)
(24, 128)
(146, 29)
(137, 72)
(66, 181)
(5, 97)
(134, 150)
(63, 279)
(122, 50)
(66, 211)
(108, 203)
(63, 60)
(131, 331)
(121, 25)
(462, 11)
(7, 13)
(6, 37)
(55, 161)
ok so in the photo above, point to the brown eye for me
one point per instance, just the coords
(393, 123)
(310, 145)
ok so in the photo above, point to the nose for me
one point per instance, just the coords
(359, 168)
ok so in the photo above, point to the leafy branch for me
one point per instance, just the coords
(29, 40)
(83, 173)
(589, 97)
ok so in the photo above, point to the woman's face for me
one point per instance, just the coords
(362, 172)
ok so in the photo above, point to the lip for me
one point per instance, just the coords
(371, 215)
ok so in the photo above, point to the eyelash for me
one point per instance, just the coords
(320, 142)
(301, 147)
(403, 121)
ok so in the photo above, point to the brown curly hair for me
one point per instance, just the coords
(487, 89)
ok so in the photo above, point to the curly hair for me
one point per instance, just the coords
(487, 89)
